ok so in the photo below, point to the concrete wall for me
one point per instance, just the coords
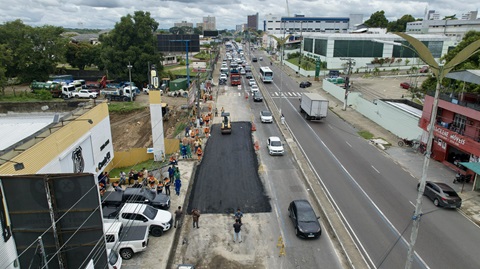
(397, 121)
(25, 107)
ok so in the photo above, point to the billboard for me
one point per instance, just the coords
(210, 33)
(178, 43)
(64, 211)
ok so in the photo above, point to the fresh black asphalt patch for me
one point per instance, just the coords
(227, 177)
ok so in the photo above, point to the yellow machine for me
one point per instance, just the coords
(226, 126)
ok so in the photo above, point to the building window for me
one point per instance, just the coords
(357, 48)
(459, 122)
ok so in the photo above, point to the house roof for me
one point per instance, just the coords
(15, 128)
(472, 76)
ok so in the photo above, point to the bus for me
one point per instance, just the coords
(266, 74)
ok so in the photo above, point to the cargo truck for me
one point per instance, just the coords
(235, 77)
(313, 106)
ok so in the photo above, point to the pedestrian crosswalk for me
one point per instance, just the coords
(235, 92)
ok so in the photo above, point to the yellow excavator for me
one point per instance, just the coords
(226, 126)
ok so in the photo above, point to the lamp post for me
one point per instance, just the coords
(129, 66)
(439, 71)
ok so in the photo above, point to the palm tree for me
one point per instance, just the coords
(281, 41)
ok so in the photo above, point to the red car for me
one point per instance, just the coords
(405, 85)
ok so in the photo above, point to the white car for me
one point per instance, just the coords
(114, 260)
(251, 81)
(223, 76)
(275, 146)
(157, 220)
(254, 88)
(266, 116)
(85, 94)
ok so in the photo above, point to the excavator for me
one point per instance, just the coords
(226, 125)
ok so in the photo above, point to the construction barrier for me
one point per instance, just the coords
(254, 128)
(281, 245)
(256, 145)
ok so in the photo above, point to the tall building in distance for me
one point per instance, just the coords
(252, 22)
(183, 23)
(209, 23)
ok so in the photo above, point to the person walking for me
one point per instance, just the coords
(238, 215)
(195, 216)
(167, 184)
(178, 185)
(160, 186)
(199, 153)
(171, 171)
(123, 179)
(237, 229)
(178, 217)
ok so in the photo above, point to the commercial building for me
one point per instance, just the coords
(183, 23)
(364, 48)
(457, 126)
(452, 28)
(252, 22)
(209, 23)
(276, 25)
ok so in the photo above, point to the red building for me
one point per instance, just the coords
(457, 130)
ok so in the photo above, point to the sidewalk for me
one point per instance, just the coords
(406, 157)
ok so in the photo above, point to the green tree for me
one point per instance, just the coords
(131, 41)
(5, 57)
(80, 54)
(400, 25)
(35, 51)
(198, 30)
(377, 19)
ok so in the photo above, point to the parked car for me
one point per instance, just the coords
(85, 94)
(257, 96)
(405, 85)
(424, 69)
(442, 195)
(114, 260)
(305, 84)
(304, 219)
(136, 195)
(275, 146)
(127, 240)
(266, 116)
(157, 220)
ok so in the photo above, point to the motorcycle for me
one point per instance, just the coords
(462, 178)
(410, 143)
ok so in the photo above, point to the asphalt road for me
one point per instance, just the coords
(374, 194)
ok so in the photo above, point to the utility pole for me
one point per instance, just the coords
(350, 62)
(198, 100)
(129, 66)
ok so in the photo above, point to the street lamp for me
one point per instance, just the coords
(439, 71)
(129, 66)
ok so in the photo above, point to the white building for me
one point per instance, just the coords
(364, 48)
(183, 23)
(209, 23)
(277, 25)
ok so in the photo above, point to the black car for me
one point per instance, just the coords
(304, 219)
(257, 97)
(254, 59)
(305, 84)
(136, 195)
(442, 195)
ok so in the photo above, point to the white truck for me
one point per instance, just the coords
(127, 240)
(118, 94)
(313, 106)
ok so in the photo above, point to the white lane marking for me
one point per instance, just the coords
(348, 144)
(412, 203)
(375, 169)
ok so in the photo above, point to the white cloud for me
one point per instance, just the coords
(104, 14)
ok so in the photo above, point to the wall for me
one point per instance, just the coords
(397, 121)
(25, 107)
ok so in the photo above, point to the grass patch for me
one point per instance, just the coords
(125, 107)
(365, 134)
(180, 128)
(149, 164)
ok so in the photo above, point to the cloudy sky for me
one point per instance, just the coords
(103, 14)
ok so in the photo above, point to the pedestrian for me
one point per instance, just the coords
(152, 182)
(282, 119)
(189, 151)
(178, 217)
(199, 153)
(166, 184)
(176, 174)
(116, 186)
(145, 174)
(135, 176)
(123, 178)
(238, 215)
(187, 130)
(160, 186)
(140, 175)
(195, 216)
(183, 150)
(131, 176)
(196, 144)
(178, 185)
(171, 171)
(237, 231)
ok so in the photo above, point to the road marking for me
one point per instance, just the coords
(412, 203)
(347, 143)
(375, 169)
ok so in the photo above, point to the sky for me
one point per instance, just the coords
(103, 14)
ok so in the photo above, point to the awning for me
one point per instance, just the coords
(472, 76)
(475, 167)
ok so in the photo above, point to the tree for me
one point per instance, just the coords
(131, 41)
(198, 30)
(80, 54)
(5, 57)
(35, 51)
(377, 19)
(401, 24)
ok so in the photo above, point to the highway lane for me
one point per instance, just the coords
(349, 165)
